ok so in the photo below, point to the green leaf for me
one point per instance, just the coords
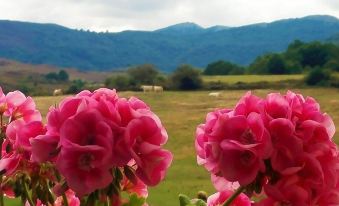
(200, 203)
(186, 201)
(134, 200)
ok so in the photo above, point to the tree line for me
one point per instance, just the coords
(315, 59)
(298, 58)
(185, 77)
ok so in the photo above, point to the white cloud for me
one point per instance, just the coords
(117, 15)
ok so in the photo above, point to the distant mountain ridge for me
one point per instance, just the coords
(166, 48)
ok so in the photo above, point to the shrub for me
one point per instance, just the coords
(317, 76)
(143, 74)
(76, 86)
(223, 68)
(185, 77)
(119, 82)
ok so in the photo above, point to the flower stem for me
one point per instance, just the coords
(29, 199)
(235, 195)
(107, 201)
(1, 198)
(64, 198)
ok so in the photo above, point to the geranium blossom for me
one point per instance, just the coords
(282, 143)
(91, 133)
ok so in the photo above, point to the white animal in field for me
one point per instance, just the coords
(214, 94)
(57, 92)
(149, 88)
(146, 88)
(158, 89)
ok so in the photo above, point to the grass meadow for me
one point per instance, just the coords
(232, 79)
(180, 113)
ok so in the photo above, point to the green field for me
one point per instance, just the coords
(232, 79)
(181, 112)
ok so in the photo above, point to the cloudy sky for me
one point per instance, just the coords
(118, 15)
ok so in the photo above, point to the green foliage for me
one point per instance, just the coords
(299, 57)
(332, 64)
(268, 64)
(61, 76)
(52, 76)
(185, 77)
(120, 82)
(318, 76)
(143, 74)
(186, 201)
(146, 74)
(134, 200)
(314, 54)
(276, 65)
(76, 86)
(222, 68)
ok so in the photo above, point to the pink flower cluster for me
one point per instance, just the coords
(20, 121)
(281, 144)
(94, 146)
(219, 198)
(92, 134)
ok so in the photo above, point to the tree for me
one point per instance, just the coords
(314, 54)
(317, 76)
(52, 76)
(222, 68)
(259, 66)
(185, 77)
(76, 86)
(119, 82)
(276, 65)
(63, 76)
(143, 74)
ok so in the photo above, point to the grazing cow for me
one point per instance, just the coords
(57, 92)
(146, 88)
(158, 88)
(214, 94)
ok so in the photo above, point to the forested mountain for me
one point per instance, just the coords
(166, 48)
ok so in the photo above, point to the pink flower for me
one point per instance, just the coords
(328, 197)
(247, 104)
(10, 162)
(83, 159)
(38, 203)
(219, 198)
(286, 146)
(16, 149)
(21, 107)
(26, 133)
(276, 106)
(44, 148)
(239, 162)
(208, 151)
(104, 94)
(3, 105)
(289, 190)
(282, 143)
(71, 199)
(145, 136)
(139, 187)
(221, 184)
(94, 132)
(234, 146)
